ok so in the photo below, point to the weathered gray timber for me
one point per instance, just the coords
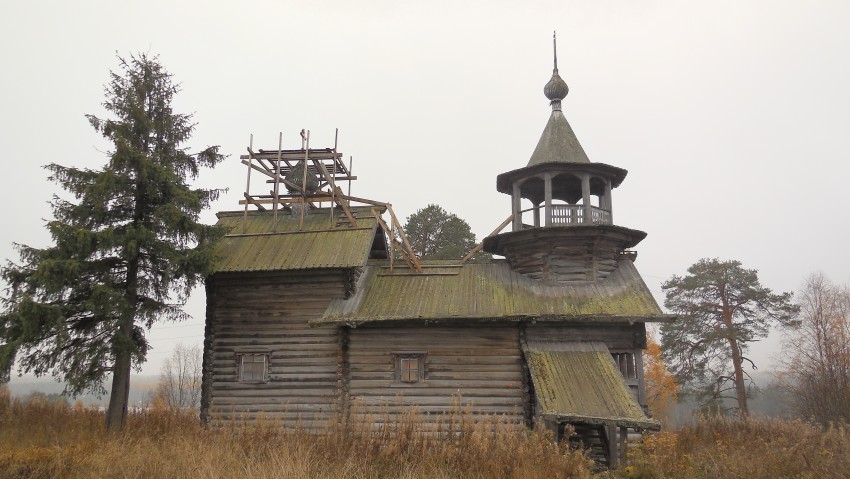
(308, 318)
(268, 313)
(479, 368)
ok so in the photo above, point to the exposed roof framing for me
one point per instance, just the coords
(322, 170)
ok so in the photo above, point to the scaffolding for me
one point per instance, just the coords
(303, 179)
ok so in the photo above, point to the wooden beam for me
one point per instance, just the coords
(404, 238)
(480, 245)
(251, 201)
(309, 199)
(321, 154)
(280, 233)
(366, 201)
(277, 179)
(250, 164)
(403, 254)
(613, 453)
(386, 230)
(341, 200)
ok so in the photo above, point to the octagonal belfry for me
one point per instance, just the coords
(563, 224)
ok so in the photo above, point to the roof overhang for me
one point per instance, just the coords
(505, 181)
(265, 241)
(578, 382)
(621, 237)
(525, 318)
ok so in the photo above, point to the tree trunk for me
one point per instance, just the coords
(119, 396)
(122, 345)
(737, 362)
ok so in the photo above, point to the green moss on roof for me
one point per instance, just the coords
(490, 291)
(259, 243)
(579, 382)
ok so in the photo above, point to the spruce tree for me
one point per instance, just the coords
(127, 245)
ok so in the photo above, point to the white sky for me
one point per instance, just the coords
(732, 117)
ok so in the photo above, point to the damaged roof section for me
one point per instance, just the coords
(491, 291)
(258, 242)
(578, 382)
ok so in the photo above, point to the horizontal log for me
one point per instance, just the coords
(461, 361)
(436, 384)
(462, 378)
(295, 392)
(443, 395)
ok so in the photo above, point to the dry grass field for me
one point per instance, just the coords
(754, 448)
(43, 440)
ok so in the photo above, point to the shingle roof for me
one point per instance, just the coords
(491, 291)
(263, 246)
(558, 143)
(579, 382)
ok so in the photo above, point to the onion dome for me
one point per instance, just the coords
(556, 89)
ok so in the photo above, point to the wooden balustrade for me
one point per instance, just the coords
(565, 215)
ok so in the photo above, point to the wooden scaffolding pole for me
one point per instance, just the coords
(305, 139)
(277, 177)
(248, 183)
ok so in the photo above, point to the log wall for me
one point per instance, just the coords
(480, 365)
(269, 312)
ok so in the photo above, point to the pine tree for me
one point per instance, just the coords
(127, 249)
(434, 233)
(724, 308)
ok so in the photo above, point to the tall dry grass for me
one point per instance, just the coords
(752, 448)
(43, 440)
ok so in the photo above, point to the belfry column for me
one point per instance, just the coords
(516, 202)
(585, 197)
(547, 194)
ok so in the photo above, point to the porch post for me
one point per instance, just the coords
(613, 443)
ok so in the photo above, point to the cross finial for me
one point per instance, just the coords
(556, 90)
(555, 48)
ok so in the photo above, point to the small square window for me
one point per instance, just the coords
(409, 367)
(253, 368)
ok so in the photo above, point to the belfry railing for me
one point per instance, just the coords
(567, 215)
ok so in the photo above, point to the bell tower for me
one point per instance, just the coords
(563, 223)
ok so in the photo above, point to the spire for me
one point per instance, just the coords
(556, 89)
(558, 143)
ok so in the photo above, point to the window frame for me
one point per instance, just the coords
(401, 359)
(240, 366)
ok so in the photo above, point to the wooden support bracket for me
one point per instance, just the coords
(404, 238)
(480, 245)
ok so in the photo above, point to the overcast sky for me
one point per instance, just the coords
(732, 117)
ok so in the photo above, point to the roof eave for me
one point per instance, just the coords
(648, 424)
(531, 318)
(504, 180)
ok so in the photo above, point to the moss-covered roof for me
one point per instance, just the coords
(579, 382)
(258, 243)
(558, 143)
(490, 291)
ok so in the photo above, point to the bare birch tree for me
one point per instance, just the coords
(817, 365)
(180, 378)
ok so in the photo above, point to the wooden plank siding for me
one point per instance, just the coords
(269, 312)
(481, 367)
